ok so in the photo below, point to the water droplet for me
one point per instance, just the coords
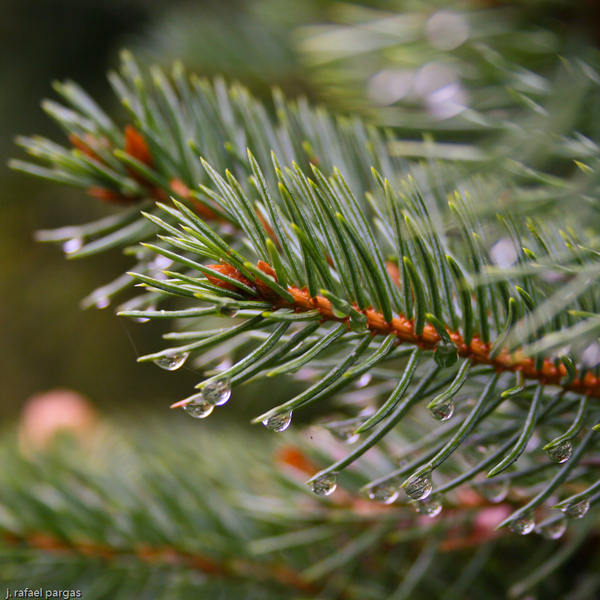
(523, 525)
(504, 253)
(446, 30)
(102, 302)
(578, 510)
(445, 354)
(386, 493)
(344, 432)
(495, 491)
(389, 86)
(533, 443)
(561, 453)
(72, 245)
(443, 410)
(225, 364)
(554, 531)
(439, 88)
(590, 357)
(172, 362)
(230, 309)
(140, 319)
(160, 263)
(430, 508)
(217, 391)
(339, 313)
(363, 381)
(358, 322)
(199, 409)
(304, 374)
(474, 454)
(418, 487)
(554, 276)
(325, 485)
(278, 422)
(297, 346)
(150, 307)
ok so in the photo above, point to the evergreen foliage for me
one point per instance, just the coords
(165, 513)
(469, 326)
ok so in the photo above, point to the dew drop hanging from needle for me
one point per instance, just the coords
(442, 411)
(554, 531)
(523, 525)
(172, 362)
(279, 422)
(72, 245)
(217, 391)
(495, 491)
(419, 487)
(561, 453)
(386, 494)
(577, 510)
(325, 485)
(431, 507)
(199, 409)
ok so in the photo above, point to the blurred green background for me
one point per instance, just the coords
(45, 340)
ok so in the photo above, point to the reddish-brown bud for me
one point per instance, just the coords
(136, 146)
(230, 271)
(180, 188)
(88, 145)
(263, 288)
(111, 196)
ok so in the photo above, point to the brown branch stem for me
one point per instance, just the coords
(404, 329)
(226, 568)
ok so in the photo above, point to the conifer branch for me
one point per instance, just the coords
(333, 252)
(230, 570)
(404, 330)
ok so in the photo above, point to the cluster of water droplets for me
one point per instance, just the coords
(524, 524)
(214, 393)
(171, 362)
(443, 410)
(431, 507)
(278, 422)
(560, 453)
(325, 484)
(418, 487)
(576, 510)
